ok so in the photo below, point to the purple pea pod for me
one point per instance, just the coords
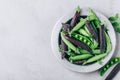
(79, 43)
(91, 30)
(74, 19)
(63, 48)
(102, 39)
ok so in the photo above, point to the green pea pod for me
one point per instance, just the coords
(82, 51)
(95, 43)
(79, 25)
(94, 16)
(87, 31)
(108, 43)
(95, 58)
(96, 51)
(69, 44)
(116, 26)
(108, 65)
(70, 53)
(114, 18)
(83, 32)
(93, 25)
(80, 57)
(83, 39)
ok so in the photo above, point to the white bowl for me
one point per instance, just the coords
(80, 68)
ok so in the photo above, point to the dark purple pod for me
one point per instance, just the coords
(91, 30)
(80, 62)
(102, 39)
(79, 43)
(63, 48)
(74, 19)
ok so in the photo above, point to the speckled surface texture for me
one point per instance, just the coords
(25, 32)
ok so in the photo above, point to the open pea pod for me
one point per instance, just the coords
(108, 65)
(100, 56)
(83, 39)
(79, 43)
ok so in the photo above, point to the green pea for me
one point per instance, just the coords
(105, 69)
(80, 57)
(95, 58)
(116, 60)
(81, 38)
(107, 66)
(88, 43)
(112, 62)
(85, 41)
(76, 36)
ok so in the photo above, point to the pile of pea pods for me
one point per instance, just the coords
(84, 39)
